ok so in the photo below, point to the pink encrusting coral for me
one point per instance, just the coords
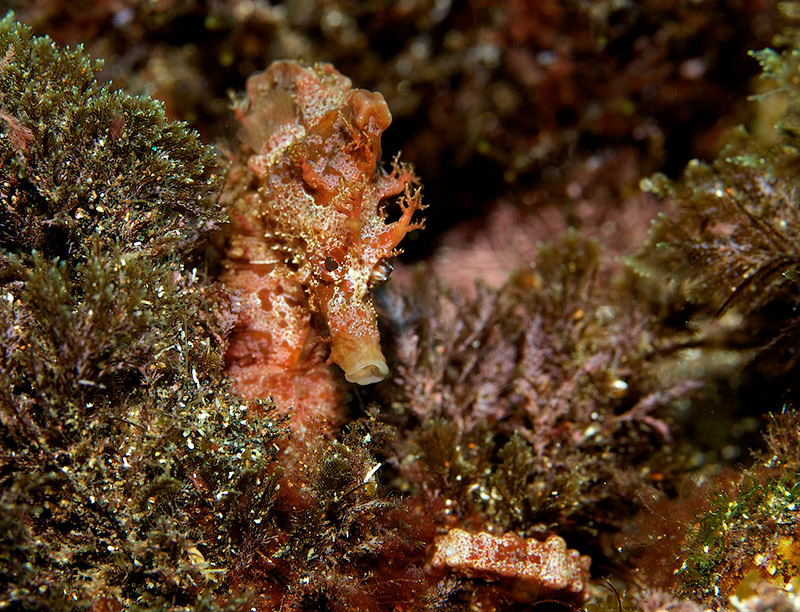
(534, 568)
(308, 237)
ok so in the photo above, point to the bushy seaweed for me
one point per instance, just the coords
(124, 452)
(333, 540)
(730, 535)
(730, 248)
(538, 404)
(727, 256)
(78, 158)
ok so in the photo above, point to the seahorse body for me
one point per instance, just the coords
(308, 237)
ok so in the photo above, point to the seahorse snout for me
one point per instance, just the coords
(363, 363)
(355, 340)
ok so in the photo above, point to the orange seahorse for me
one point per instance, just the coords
(308, 238)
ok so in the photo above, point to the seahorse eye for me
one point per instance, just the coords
(380, 272)
(331, 264)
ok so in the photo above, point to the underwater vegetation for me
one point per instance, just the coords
(117, 422)
(730, 249)
(581, 435)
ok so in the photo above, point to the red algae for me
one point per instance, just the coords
(308, 238)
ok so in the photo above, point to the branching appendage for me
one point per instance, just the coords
(308, 238)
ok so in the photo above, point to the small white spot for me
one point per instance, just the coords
(693, 69)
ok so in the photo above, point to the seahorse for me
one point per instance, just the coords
(308, 238)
